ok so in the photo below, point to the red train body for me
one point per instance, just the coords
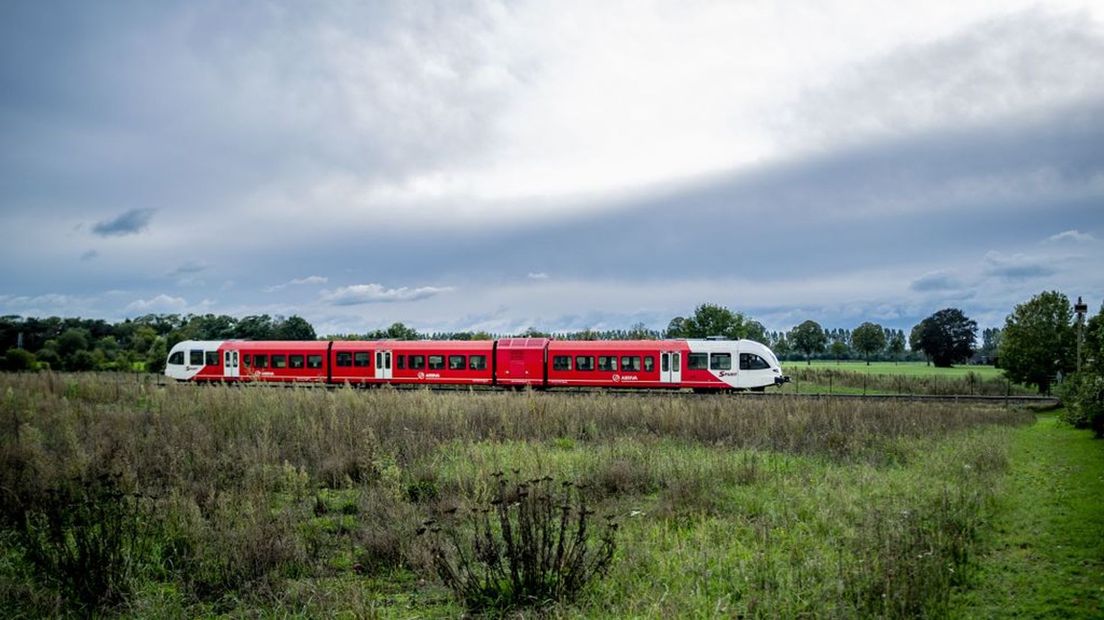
(508, 362)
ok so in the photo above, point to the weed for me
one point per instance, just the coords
(529, 546)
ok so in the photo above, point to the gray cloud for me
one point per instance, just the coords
(89, 255)
(128, 223)
(935, 281)
(375, 293)
(1017, 266)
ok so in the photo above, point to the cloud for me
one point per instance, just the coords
(129, 223)
(160, 303)
(189, 268)
(375, 293)
(1017, 266)
(935, 281)
(297, 282)
(540, 275)
(89, 255)
(1074, 236)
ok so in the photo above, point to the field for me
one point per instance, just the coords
(855, 377)
(907, 369)
(269, 501)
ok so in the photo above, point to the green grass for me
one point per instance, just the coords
(304, 502)
(1047, 541)
(908, 369)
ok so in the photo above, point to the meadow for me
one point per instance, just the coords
(126, 497)
(856, 377)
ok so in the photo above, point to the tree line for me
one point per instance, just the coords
(1036, 346)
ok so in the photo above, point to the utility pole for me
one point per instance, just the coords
(1080, 309)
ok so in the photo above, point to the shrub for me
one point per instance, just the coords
(1083, 394)
(88, 536)
(16, 360)
(530, 546)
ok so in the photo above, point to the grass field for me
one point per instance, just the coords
(264, 501)
(907, 369)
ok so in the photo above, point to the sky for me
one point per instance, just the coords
(561, 165)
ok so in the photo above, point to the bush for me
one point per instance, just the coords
(1083, 395)
(530, 546)
(16, 360)
(87, 535)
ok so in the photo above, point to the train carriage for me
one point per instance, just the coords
(704, 365)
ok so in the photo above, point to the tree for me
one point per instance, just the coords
(916, 339)
(868, 338)
(1038, 341)
(896, 345)
(947, 337)
(16, 360)
(808, 338)
(675, 329)
(990, 343)
(713, 320)
(839, 349)
(294, 328)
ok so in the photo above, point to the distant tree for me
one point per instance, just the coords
(839, 349)
(294, 328)
(256, 327)
(781, 345)
(640, 331)
(676, 328)
(533, 332)
(17, 360)
(1092, 347)
(80, 360)
(990, 343)
(713, 320)
(1039, 341)
(916, 339)
(72, 340)
(756, 331)
(157, 354)
(808, 338)
(947, 337)
(896, 345)
(868, 338)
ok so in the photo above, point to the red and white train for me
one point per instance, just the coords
(702, 365)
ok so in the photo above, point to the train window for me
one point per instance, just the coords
(279, 360)
(344, 359)
(458, 362)
(314, 361)
(751, 361)
(607, 363)
(195, 357)
(561, 362)
(697, 361)
(436, 362)
(246, 359)
(177, 358)
(211, 358)
(720, 361)
(477, 362)
(361, 359)
(417, 362)
(261, 360)
(295, 361)
(400, 361)
(630, 363)
(584, 362)
(649, 364)
(665, 362)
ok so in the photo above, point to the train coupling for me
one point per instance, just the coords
(781, 380)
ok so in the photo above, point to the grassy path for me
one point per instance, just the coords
(1046, 559)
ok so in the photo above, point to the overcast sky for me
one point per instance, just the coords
(561, 164)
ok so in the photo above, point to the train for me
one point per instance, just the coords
(708, 365)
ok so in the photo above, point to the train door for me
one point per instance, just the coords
(383, 364)
(230, 368)
(670, 367)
